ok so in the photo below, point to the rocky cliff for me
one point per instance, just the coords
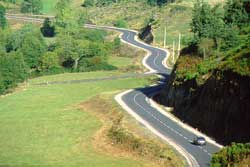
(220, 106)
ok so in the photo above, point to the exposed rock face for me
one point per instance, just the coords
(220, 107)
(146, 34)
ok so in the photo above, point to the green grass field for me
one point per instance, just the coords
(49, 6)
(120, 61)
(42, 125)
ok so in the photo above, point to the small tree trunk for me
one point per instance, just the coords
(76, 63)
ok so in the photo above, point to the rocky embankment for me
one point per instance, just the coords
(146, 34)
(220, 107)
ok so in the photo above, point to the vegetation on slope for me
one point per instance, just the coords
(119, 131)
(234, 155)
(221, 39)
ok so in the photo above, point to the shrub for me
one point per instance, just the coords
(13, 70)
(48, 30)
(231, 155)
(121, 23)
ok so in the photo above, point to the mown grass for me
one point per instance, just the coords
(42, 125)
(120, 61)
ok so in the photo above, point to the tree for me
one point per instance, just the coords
(32, 49)
(207, 22)
(48, 30)
(237, 12)
(49, 60)
(3, 21)
(12, 70)
(29, 41)
(67, 21)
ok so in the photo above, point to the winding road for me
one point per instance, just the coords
(137, 103)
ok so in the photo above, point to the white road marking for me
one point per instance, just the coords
(156, 57)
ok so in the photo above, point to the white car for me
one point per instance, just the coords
(199, 141)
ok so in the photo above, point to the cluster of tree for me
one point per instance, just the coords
(24, 52)
(231, 155)
(31, 6)
(220, 29)
(20, 52)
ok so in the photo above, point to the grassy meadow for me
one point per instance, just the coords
(43, 125)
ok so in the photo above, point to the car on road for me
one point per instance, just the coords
(199, 141)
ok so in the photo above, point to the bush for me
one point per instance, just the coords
(231, 155)
(48, 30)
(117, 43)
(94, 64)
(121, 23)
(13, 70)
(49, 60)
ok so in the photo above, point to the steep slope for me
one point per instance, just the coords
(217, 103)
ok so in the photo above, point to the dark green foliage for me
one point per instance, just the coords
(30, 42)
(12, 70)
(31, 6)
(213, 23)
(84, 51)
(48, 30)
(237, 12)
(207, 22)
(231, 155)
(32, 49)
(3, 21)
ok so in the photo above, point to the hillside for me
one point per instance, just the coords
(209, 88)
